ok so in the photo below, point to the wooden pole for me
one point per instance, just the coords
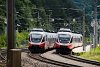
(13, 55)
(10, 25)
(15, 58)
(95, 24)
(10, 31)
(84, 44)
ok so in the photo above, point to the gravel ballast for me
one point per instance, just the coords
(29, 62)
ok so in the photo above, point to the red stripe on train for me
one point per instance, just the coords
(42, 45)
(70, 46)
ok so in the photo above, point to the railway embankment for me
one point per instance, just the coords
(52, 55)
(89, 53)
(93, 54)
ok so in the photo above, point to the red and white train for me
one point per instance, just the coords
(66, 41)
(63, 41)
(40, 41)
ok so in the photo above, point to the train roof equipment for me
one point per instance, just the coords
(49, 35)
(36, 30)
(64, 30)
(74, 35)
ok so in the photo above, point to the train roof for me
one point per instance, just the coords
(64, 33)
(77, 35)
(37, 30)
(64, 30)
(72, 34)
(45, 33)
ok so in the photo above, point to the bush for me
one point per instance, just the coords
(3, 40)
(21, 38)
(87, 40)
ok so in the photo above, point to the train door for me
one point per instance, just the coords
(46, 41)
(51, 41)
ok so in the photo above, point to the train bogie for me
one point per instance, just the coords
(36, 48)
(63, 49)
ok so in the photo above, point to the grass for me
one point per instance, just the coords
(94, 54)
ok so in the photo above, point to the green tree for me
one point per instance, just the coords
(2, 16)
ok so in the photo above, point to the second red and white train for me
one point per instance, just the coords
(66, 41)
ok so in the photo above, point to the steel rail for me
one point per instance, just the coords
(50, 61)
(76, 58)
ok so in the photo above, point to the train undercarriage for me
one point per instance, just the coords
(36, 48)
(63, 49)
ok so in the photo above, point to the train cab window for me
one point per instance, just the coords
(63, 38)
(36, 38)
(71, 40)
(29, 38)
(43, 39)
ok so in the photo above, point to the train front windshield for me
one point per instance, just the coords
(36, 38)
(64, 38)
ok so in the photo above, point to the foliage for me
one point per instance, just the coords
(23, 14)
(36, 13)
(2, 15)
(87, 40)
(3, 40)
(21, 39)
(2, 26)
(94, 54)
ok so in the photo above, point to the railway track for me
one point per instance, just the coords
(3, 55)
(40, 58)
(3, 58)
(43, 59)
(72, 57)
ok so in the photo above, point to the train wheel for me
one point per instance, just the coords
(42, 50)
